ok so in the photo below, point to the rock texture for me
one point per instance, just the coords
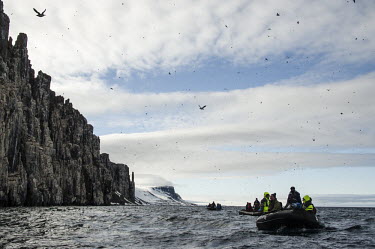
(48, 152)
(169, 190)
(163, 195)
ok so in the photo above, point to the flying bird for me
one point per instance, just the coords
(202, 107)
(40, 14)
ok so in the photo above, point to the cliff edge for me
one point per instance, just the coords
(48, 152)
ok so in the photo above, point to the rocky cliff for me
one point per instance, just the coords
(169, 190)
(48, 152)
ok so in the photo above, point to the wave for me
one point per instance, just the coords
(352, 228)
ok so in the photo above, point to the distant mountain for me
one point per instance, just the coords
(163, 195)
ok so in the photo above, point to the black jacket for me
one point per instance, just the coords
(294, 198)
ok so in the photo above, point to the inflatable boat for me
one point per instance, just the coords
(244, 212)
(293, 218)
(216, 208)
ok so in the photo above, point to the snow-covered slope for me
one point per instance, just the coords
(164, 195)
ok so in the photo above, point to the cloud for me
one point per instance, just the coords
(156, 111)
(87, 92)
(260, 130)
(92, 49)
(149, 180)
(86, 37)
(345, 200)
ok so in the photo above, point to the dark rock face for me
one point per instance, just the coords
(48, 152)
(169, 190)
(120, 191)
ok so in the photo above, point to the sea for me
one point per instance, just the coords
(175, 227)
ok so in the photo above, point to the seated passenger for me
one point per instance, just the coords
(213, 204)
(307, 204)
(272, 201)
(265, 203)
(256, 204)
(275, 205)
(294, 198)
(249, 208)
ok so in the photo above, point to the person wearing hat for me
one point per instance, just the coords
(265, 203)
(294, 198)
(275, 205)
(256, 204)
(307, 204)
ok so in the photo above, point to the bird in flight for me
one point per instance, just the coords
(202, 107)
(40, 14)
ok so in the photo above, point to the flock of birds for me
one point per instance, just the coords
(42, 14)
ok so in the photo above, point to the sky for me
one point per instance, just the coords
(288, 88)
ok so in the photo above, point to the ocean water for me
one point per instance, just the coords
(175, 227)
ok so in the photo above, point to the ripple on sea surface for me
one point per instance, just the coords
(172, 227)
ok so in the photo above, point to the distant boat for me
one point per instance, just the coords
(215, 208)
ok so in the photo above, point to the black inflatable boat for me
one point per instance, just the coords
(294, 218)
(216, 208)
(244, 212)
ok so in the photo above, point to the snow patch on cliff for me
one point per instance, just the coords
(159, 196)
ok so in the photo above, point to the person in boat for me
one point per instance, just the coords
(256, 204)
(307, 204)
(212, 205)
(294, 198)
(249, 208)
(275, 205)
(265, 203)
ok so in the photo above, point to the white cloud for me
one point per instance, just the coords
(149, 180)
(287, 124)
(345, 200)
(255, 131)
(86, 37)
